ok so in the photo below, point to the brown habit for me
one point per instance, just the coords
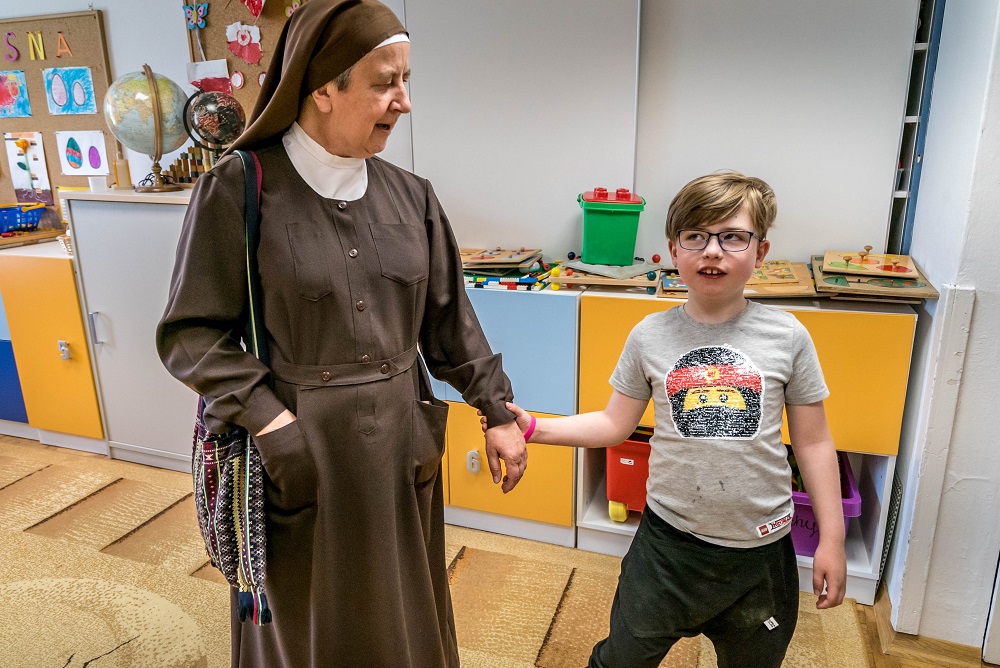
(355, 572)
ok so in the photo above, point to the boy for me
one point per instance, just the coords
(713, 553)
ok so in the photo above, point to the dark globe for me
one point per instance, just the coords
(215, 119)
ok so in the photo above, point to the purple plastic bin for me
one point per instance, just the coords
(805, 529)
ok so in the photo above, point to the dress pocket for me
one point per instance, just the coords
(291, 470)
(430, 419)
(402, 252)
(312, 267)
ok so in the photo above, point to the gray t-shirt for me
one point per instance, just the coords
(718, 468)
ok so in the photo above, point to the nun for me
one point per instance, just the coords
(362, 284)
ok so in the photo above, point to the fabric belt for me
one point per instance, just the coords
(343, 374)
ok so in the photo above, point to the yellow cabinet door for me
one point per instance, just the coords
(43, 310)
(605, 323)
(545, 493)
(866, 364)
(865, 357)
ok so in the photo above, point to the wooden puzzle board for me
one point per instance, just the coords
(776, 278)
(869, 264)
(583, 278)
(486, 260)
(886, 287)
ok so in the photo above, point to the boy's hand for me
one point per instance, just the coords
(829, 566)
(521, 417)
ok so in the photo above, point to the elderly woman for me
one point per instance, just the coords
(359, 268)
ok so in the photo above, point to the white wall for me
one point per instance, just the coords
(945, 557)
(808, 96)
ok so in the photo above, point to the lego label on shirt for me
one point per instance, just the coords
(771, 623)
(773, 525)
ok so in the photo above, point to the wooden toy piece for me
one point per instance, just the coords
(556, 271)
(656, 258)
(569, 272)
(847, 259)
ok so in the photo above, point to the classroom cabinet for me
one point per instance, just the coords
(545, 493)
(48, 356)
(864, 350)
(125, 243)
(11, 399)
(536, 334)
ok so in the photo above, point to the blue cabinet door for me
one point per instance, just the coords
(11, 399)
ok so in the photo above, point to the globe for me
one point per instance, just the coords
(128, 111)
(214, 119)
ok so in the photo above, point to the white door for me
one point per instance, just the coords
(126, 253)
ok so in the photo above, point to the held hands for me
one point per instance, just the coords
(830, 566)
(506, 442)
(521, 417)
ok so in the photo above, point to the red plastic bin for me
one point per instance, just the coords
(805, 530)
(627, 469)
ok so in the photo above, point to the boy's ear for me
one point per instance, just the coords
(672, 247)
(762, 248)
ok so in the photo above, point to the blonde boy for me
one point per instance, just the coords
(713, 553)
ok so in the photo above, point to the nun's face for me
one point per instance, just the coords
(358, 121)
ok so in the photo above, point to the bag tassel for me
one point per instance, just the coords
(251, 605)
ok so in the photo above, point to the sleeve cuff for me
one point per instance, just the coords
(261, 409)
(497, 414)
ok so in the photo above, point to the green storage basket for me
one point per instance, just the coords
(610, 225)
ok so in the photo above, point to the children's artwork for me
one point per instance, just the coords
(866, 263)
(82, 153)
(195, 15)
(244, 41)
(26, 159)
(210, 75)
(69, 90)
(14, 95)
(292, 8)
(255, 7)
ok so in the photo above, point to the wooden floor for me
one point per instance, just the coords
(876, 659)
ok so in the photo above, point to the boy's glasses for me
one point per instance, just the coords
(731, 241)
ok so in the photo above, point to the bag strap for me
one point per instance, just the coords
(252, 188)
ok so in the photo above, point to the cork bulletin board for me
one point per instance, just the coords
(215, 46)
(31, 46)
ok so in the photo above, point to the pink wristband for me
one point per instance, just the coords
(530, 430)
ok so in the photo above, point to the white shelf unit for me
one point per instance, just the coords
(598, 533)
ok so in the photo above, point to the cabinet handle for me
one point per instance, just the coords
(63, 349)
(472, 461)
(92, 319)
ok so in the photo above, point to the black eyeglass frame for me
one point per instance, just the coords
(718, 238)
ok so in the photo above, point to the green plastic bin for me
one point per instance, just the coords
(610, 225)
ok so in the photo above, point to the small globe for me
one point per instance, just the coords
(215, 119)
(128, 111)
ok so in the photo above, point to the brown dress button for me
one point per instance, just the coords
(325, 375)
(361, 305)
(365, 359)
(353, 252)
(385, 368)
(341, 205)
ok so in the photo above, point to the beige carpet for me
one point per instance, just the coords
(101, 565)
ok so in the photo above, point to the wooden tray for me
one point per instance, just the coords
(776, 278)
(865, 263)
(29, 238)
(878, 288)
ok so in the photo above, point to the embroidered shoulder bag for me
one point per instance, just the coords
(228, 474)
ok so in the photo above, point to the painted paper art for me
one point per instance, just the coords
(82, 153)
(195, 15)
(210, 76)
(14, 95)
(69, 90)
(244, 41)
(255, 7)
(26, 160)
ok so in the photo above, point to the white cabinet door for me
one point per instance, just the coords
(125, 254)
